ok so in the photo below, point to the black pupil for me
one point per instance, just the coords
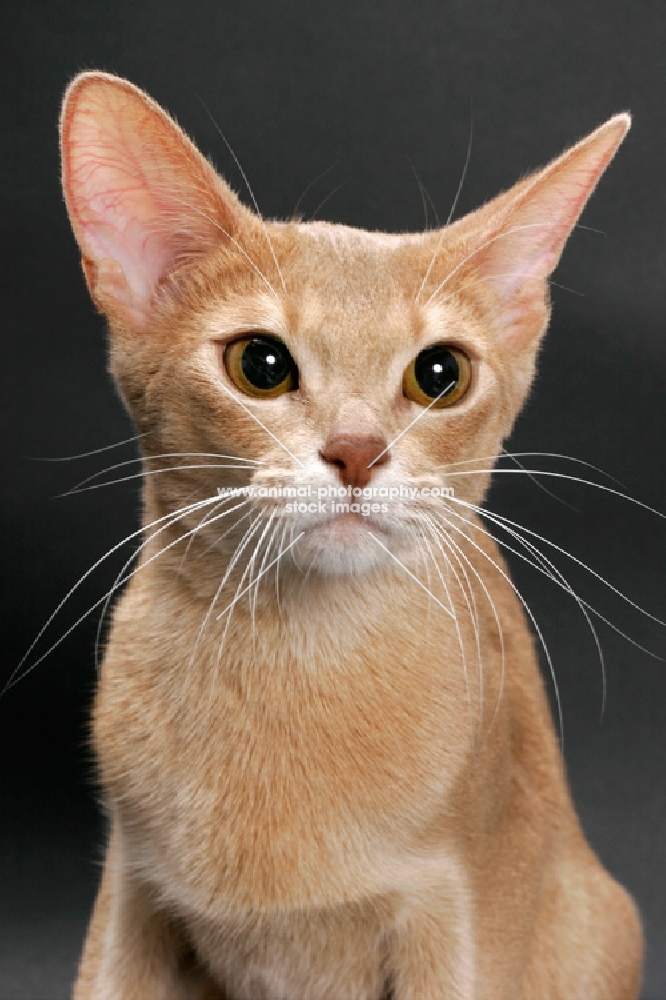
(266, 363)
(436, 370)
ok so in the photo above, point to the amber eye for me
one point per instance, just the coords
(439, 371)
(261, 366)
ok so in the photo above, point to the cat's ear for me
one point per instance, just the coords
(141, 198)
(523, 231)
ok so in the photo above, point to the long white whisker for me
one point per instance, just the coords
(88, 572)
(252, 598)
(411, 575)
(119, 578)
(207, 515)
(528, 610)
(461, 643)
(536, 482)
(525, 454)
(88, 454)
(167, 454)
(559, 577)
(251, 193)
(471, 610)
(224, 534)
(579, 562)
(264, 558)
(270, 565)
(465, 167)
(411, 424)
(459, 554)
(453, 208)
(232, 563)
(483, 246)
(239, 247)
(309, 187)
(277, 574)
(151, 472)
(496, 518)
(479, 281)
(561, 475)
(551, 571)
(14, 679)
(257, 420)
(244, 542)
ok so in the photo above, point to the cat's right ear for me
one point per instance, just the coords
(141, 198)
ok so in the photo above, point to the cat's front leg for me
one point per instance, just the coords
(432, 953)
(132, 951)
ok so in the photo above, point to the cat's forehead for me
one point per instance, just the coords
(339, 274)
(346, 240)
(339, 294)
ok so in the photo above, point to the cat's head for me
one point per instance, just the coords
(308, 356)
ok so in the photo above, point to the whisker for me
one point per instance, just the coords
(88, 454)
(118, 582)
(309, 187)
(558, 578)
(453, 208)
(564, 552)
(484, 246)
(277, 574)
(486, 279)
(270, 565)
(149, 472)
(471, 610)
(468, 156)
(552, 572)
(536, 482)
(269, 545)
(411, 424)
(424, 196)
(526, 454)
(202, 523)
(528, 611)
(237, 553)
(461, 644)
(230, 567)
(252, 598)
(239, 247)
(562, 475)
(502, 522)
(15, 676)
(224, 534)
(251, 193)
(257, 420)
(460, 555)
(411, 575)
(323, 201)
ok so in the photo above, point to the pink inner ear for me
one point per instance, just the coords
(138, 191)
(538, 222)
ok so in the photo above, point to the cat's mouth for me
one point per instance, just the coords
(346, 543)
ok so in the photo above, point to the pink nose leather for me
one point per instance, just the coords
(352, 454)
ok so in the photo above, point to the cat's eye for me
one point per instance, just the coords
(261, 366)
(438, 371)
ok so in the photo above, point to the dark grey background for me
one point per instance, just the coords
(362, 87)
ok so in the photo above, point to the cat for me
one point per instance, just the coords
(321, 729)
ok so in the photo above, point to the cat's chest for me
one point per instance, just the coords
(285, 770)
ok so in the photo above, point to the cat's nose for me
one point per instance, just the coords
(351, 454)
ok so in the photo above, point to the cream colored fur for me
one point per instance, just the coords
(348, 787)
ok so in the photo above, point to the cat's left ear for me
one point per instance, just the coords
(141, 198)
(521, 234)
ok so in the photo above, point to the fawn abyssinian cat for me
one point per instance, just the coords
(321, 728)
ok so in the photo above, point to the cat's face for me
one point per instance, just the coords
(349, 326)
(308, 357)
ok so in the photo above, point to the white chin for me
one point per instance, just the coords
(342, 546)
